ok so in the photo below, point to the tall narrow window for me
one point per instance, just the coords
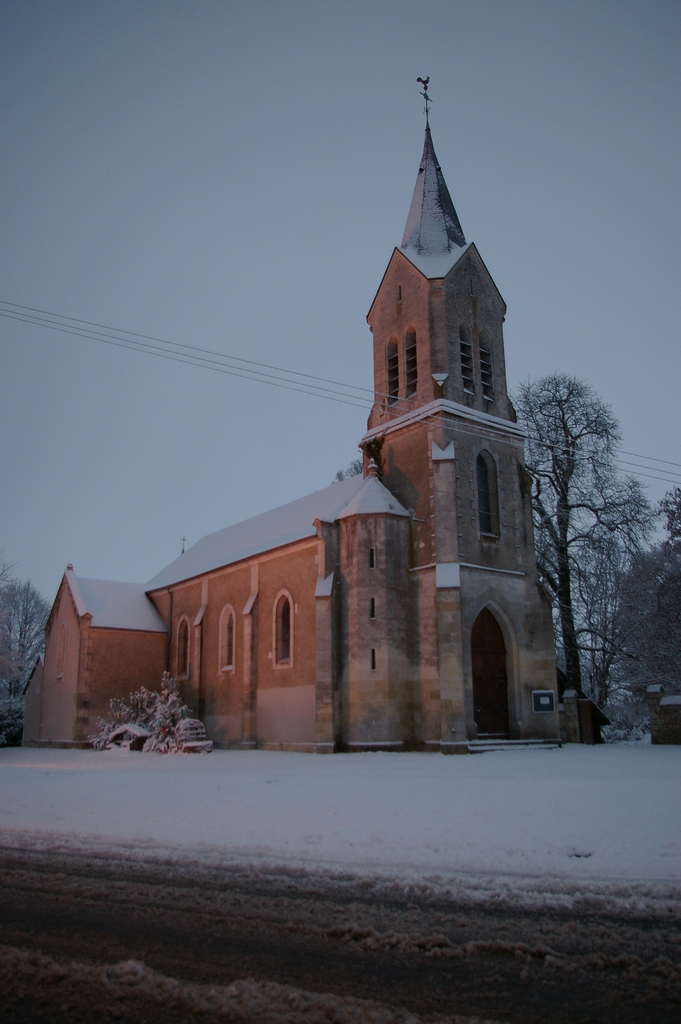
(229, 660)
(373, 659)
(488, 502)
(466, 354)
(283, 630)
(410, 362)
(372, 608)
(393, 372)
(226, 639)
(61, 652)
(486, 378)
(183, 648)
(372, 558)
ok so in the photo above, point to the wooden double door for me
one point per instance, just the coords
(490, 684)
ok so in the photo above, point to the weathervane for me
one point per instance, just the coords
(424, 83)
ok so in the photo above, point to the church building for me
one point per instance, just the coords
(396, 610)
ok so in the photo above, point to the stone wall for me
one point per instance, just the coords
(581, 719)
(569, 718)
(377, 633)
(664, 714)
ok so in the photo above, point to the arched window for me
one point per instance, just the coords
(283, 632)
(61, 651)
(410, 362)
(182, 647)
(466, 356)
(393, 365)
(488, 501)
(486, 376)
(226, 640)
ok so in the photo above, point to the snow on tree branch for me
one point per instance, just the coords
(158, 712)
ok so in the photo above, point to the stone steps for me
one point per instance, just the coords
(485, 746)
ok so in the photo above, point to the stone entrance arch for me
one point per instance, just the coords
(490, 684)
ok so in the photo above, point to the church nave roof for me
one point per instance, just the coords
(273, 529)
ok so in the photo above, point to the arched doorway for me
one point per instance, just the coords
(490, 689)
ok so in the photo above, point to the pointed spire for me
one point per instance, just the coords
(433, 227)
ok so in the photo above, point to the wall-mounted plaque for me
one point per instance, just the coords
(543, 700)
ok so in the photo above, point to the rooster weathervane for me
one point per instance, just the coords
(424, 83)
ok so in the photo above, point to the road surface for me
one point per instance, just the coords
(101, 936)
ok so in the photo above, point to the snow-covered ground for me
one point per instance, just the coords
(607, 812)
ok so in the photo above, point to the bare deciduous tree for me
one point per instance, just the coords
(354, 469)
(651, 613)
(589, 521)
(23, 613)
(601, 635)
(5, 573)
(670, 507)
(5, 579)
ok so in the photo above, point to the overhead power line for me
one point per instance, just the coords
(155, 345)
(649, 458)
(276, 376)
(219, 364)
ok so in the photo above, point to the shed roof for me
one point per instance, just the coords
(273, 529)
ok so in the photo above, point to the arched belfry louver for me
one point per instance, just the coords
(466, 358)
(393, 371)
(410, 363)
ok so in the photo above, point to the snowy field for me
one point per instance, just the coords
(580, 813)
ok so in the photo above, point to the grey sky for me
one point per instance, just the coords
(236, 174)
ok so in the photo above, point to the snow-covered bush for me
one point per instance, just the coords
(628, 722)
(157, 711)
(11, 719)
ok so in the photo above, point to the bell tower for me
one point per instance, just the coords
(437, 316)
(444, 435)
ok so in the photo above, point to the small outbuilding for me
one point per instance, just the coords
(104, 639)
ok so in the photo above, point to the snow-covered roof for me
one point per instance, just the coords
(432, 228)
(114, 605)
(272, 529)
(129, 728)
(434, 267)
(373, 499)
